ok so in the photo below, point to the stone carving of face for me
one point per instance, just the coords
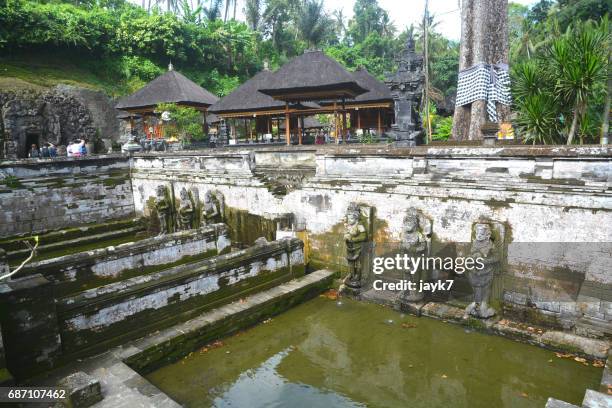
(352, 217)
(208, 197)
(184, 195)
(161, 191)
(483, 232)
(411, 223)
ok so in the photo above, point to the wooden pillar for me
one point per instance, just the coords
(379, 124)
(344, 120)
(358, 119)
(300, 129)
(336, 121)
(287, 125)
(205, 126)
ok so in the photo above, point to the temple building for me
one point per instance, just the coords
(171, 87)
(289, 97)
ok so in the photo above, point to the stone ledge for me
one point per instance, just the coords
(550, 339)
(555, 403)
(594, 399)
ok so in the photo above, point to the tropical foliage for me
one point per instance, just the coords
(559, 59)
(559, 91)
(184, 124)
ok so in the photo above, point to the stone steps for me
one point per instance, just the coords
(71, 245)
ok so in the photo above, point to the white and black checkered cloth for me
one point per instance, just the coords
(488, 82)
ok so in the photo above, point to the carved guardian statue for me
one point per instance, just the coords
(355, 237)
(163, 207)
(185, 211)
(481, 280)
(415, 242)
(211, 209)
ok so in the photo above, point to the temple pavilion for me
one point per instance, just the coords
(171, 87)
(307, 85)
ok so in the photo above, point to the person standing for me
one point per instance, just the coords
(34, 152)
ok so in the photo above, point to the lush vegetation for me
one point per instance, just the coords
(181, 122)
(560, 54)
(118, 46)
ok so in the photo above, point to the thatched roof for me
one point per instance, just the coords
(247, 98)
(377, 90)
(171, 87)
(311, 76)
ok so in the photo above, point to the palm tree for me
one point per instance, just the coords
(312, 22)
(213, 11)
(339, 25)
(252, 11)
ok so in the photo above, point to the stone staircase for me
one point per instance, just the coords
(281, 181)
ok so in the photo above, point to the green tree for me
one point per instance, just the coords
(186, 123)
(312, 23)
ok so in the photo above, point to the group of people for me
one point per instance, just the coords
(47, 150)
(75, 148)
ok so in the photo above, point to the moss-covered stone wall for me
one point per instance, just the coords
(44, 195)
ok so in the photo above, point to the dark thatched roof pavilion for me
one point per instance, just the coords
(171, 87)
(309, 77)
(247, 98)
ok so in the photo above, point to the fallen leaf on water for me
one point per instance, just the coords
(598, 363)
(444, 376)
(409, 325)
(550, 361)
(331, 294)
(524, 395)
(580, 359)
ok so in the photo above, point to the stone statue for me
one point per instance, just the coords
(211, 209)
(185, 211)
(481, 280)
(355, 237)
(415, 243)
(406, 86)
(163, 207)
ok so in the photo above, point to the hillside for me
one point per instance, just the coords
(35, 73)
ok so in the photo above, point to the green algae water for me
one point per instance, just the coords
(326, 353)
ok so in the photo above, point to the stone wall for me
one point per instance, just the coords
(540, 195)
(139, 305)
(49, 194)
(74, 272)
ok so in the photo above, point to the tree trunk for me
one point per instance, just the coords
(572, 132)
(227, 5)
(484, 39)
(605, 123)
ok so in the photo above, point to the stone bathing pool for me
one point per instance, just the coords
(328, 353)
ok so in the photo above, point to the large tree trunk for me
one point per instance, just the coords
(484, 39)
